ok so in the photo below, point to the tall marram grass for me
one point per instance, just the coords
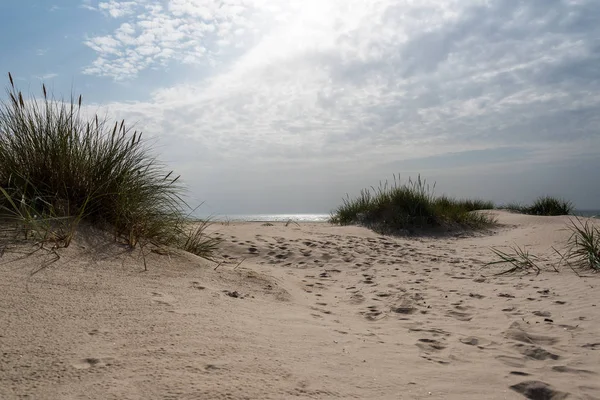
(412, 205)
(56, 164)
(544, 205)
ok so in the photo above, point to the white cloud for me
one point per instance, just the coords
(87, 5)
(187, 31)
(357, 85)
(118, 9)
(47, 76)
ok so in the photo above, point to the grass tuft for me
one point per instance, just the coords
(519, 258)
(193, 239)
(58, 168)
(394, 207)
(545, 205)
(582, 251)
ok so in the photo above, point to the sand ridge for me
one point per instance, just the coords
(302, 311)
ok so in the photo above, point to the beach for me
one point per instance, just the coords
(272, 200)
(303, 310)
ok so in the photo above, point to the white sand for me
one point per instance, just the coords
(321, 312)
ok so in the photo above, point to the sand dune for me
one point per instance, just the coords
(309, 311)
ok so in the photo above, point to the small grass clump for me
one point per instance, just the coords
(545, 205)
(582, 251)
(412, 205)
(520, 260)
(58, 168)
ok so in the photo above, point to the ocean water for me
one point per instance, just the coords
(588, 213)
(272, 217)
(322, 217)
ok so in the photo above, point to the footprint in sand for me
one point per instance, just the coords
(542, 313)
(535, 353)
(162, 298)
(92, 362)
(405, 307)
(438, 361)
(430, 344)
(99, 332)
(476, 296)
(321, 310)
(593, 346)
(506, 295)
(214, 368)
(515, 362)
(259, 238)
(326, 257)
(516, 332)
(519, 373)
(461, 316)
(357, 298)
(197, 285)
(475, 341)
(372, 313)
(538, 390)
(564, 368)
(435, 332)
(368, 279)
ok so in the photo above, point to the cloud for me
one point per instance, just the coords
(47, 76)
(117, 9)
(87, 5)
(346, 86)
(156, 33)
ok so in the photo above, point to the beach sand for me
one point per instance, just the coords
(313, 311)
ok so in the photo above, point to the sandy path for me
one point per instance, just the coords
(313, 311)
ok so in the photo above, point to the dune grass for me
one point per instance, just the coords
(58, 168)
(519, 259)
(408, 206)
(544, 205)
(582, 251)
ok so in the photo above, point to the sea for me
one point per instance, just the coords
(323, 217)
(588, 213)
(271, 217)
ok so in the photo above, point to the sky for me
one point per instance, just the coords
(268, 106)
